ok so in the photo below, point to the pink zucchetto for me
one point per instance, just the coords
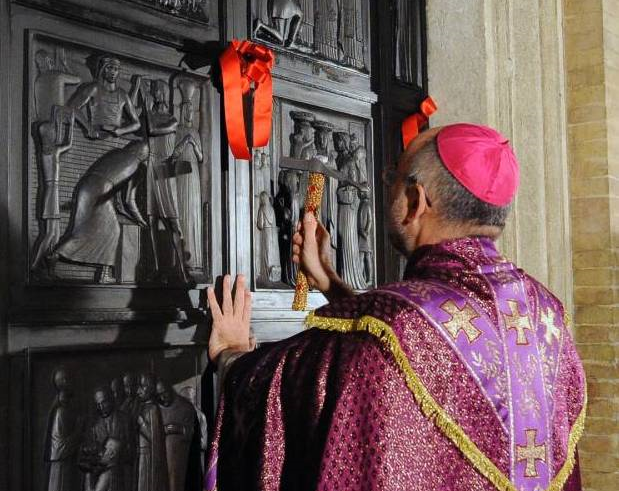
(482, 160)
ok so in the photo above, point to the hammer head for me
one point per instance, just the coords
(317, 165)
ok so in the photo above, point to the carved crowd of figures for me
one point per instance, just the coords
(346, 210)
(135, 133)
(331, 29)
(192, 9)
(138, 438)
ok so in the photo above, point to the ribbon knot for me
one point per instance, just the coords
(412, 124)
(244, 63)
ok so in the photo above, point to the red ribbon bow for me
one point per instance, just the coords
(244, 63)
(412, 124)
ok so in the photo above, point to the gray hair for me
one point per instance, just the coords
(455, 203)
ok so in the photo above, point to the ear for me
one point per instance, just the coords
(417, 202)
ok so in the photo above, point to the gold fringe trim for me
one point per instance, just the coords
(432, 410)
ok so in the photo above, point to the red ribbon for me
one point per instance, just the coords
(412, 124)
(242, 63)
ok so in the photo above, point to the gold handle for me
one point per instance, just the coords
(313, 199)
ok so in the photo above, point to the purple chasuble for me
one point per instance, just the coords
(462, 376)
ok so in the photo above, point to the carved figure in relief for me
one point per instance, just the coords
(94, 210)
(189, 393)
(162, 195)
(118, 392)
(188, 155)
(110, 423)
(94, 233)
(351, 33)
(365, 224)
(270, 267)
(286, 16)
(302, 145)
(107, 103)
(262, 166)
(111, 476)
(288, 214)
(54, 141)
(326, 15)
(341, 143)
(131, 404)
(302, 138)
(323, 137)
(348, 208)
(178, 418)
(152, 460)
(50, 84)
(131, 407)
(306, 31)
(63, 437)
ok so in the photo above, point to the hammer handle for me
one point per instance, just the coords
(313, 199)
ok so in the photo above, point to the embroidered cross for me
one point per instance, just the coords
(531, 454)
(519, 322)
(461, 320)
(548, 320)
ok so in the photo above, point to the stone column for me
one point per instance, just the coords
(501, 64)
(592, 63)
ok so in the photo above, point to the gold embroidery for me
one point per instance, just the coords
(422, 290)
(430, 408)
(527, 402)
(493, 370)
(548, 365)
(521, 323)
(548, 320)
(461, 320)
(531, 454)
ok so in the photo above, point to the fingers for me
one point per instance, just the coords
(212, 302)
(297, 239)
(247, 308)
(227, 307)
(239, 296)
(309, 225)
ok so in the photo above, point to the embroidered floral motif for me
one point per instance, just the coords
(493, 370)
(437, 414)
(547, 319)
(548, 367)
(423, 290)
(527, 403)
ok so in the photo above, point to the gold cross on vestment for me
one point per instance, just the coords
(461, 320)
(531, 454)
(519, 322)
(548, 320)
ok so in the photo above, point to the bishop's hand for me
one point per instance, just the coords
(311, 249)
(231, 319)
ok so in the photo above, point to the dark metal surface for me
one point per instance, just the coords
(121, 203)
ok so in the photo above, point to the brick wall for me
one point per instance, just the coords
(592, 82)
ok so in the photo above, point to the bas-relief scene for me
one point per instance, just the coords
(334, 30)
(347, 209)
(112, 422)
(194, 10)
(118, 169)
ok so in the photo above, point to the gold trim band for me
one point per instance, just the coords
(434, 412)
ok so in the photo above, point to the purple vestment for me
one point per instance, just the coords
(461, 377)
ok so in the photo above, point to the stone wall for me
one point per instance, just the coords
(592, 63)
(501, 64)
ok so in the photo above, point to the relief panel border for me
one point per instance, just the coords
(119, 303)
